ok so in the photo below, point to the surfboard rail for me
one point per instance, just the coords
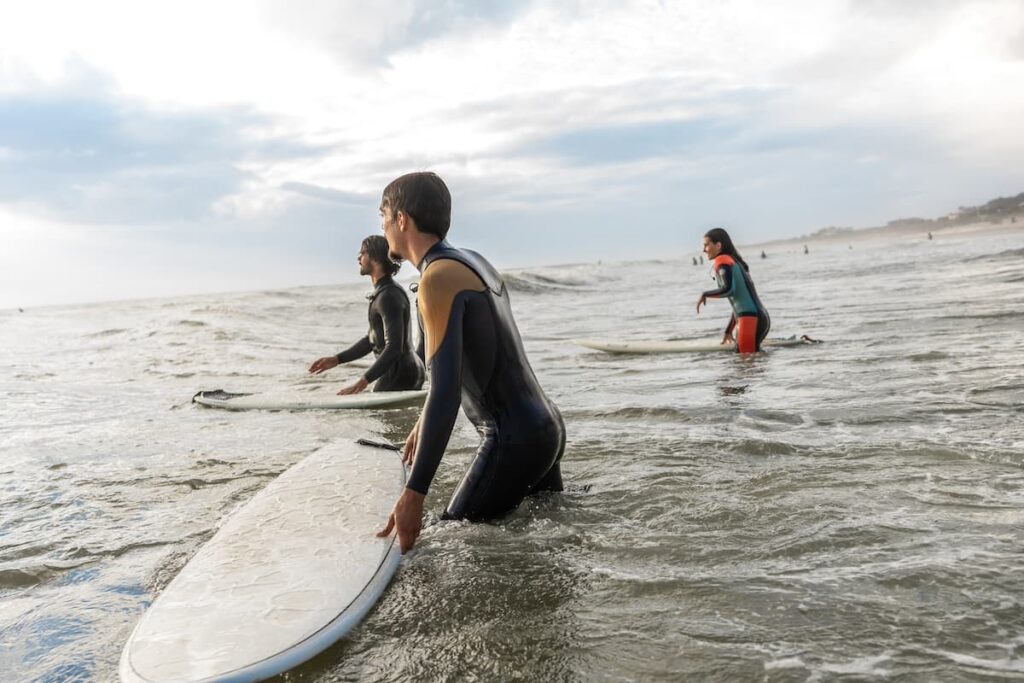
(218, 398)
(682, 346)
(286, 576)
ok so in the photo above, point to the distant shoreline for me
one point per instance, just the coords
(918, 231)
(1003, 214)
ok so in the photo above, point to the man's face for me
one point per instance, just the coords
(365, 265)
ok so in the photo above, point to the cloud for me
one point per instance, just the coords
(95, 157)
(364, 35)
(590, 128)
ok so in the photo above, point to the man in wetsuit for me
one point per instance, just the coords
(475, 358)
(390, 336)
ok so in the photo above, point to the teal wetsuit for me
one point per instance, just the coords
(735, 284)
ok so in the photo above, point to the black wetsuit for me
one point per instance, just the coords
(390, 338)
(475, 358)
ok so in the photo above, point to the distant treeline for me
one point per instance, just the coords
(994, 211)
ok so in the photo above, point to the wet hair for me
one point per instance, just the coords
(376, 248)
(720, 236)
(424, 197)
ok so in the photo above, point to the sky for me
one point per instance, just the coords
(162, 149)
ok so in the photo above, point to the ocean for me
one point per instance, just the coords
(852, 510)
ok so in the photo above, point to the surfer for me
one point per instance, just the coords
(734, 282)
(475, 358)
(397, 367)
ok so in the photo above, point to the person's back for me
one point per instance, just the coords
(468, 320)
(475, 358)
(390, 336)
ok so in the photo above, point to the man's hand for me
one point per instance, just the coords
(727, 338)
(354, 388)
(700, 302)
(409, 452)
(323, 364)
(406, 519)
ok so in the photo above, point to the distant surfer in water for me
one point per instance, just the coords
(749, 318)
(397, 367)
(475, 358)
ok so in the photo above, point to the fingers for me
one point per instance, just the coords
(410, 449)
(387, 530)
(407, 539)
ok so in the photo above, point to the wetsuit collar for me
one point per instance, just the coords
(385, 281)
(439, 248)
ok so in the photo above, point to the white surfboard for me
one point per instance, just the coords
(609, 346)
(286, 576)
(303, 400)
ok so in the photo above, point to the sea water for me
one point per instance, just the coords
(852, 510)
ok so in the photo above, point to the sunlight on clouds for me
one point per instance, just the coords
(252, 120)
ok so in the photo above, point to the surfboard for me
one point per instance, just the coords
(286, 576)
(305, 400)
(681, 346)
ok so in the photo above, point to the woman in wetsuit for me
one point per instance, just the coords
(397, 367)
(749, 316)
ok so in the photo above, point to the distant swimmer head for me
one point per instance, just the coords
(375, 250)
(424, 198)
(717, 242)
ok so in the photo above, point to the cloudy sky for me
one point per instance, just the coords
(154, 149)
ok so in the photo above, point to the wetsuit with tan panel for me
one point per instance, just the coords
(475, 359)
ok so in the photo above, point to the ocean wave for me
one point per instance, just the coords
(106, 333)
(536, 283)
(1005, 255)
(34, 574)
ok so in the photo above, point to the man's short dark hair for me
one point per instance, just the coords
(424, 197)
(376, 248)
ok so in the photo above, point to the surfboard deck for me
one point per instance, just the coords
(306, 400)
(610, 346)
(286, 576)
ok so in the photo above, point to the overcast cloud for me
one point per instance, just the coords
(159, 150)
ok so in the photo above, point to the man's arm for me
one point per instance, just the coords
(442, 309)
(357, 350)
(442, 316)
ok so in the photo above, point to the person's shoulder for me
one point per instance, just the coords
(723, 260)
(393, 294)
(448, 273)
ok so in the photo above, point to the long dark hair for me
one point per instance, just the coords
(376, 247)
(720, 236)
